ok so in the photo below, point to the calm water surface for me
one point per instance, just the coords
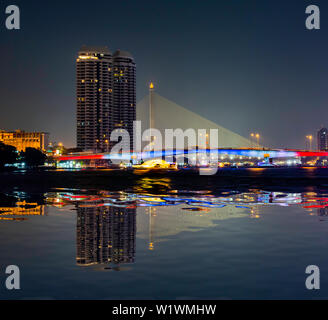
(97, 244)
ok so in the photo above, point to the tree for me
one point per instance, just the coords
(33, 157)
(8, 155)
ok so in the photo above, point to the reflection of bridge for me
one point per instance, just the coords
(251, 153)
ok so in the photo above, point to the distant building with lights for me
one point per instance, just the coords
(22, 140)
(106, 96)
(323, 139)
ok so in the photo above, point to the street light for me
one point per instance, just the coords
(310, 138)
(257, 137)
(258, 140)
(252, 137)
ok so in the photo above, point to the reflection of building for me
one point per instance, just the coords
(323, 139)
(322, 212)
(22, 209)
(105, 235)
(22, 140)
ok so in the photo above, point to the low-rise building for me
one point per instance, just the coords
(22, 140)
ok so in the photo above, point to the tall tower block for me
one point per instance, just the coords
(94, 90)
(124, 93)
(106, 97)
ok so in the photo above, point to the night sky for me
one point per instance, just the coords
(250, 66)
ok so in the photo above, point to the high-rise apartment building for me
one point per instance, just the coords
(323, 139)
(124, 92)
(106, 96)
(94, 98)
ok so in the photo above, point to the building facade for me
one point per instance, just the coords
(124, 93)
(323, 139)
(94, 98)
(22, 140)
(106, 96)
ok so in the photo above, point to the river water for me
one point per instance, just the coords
(184, 244)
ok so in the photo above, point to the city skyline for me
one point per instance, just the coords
(163, 156)
(249, 77)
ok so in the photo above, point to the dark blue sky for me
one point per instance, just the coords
(247, 65)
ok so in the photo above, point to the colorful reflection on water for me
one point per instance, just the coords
(16, 207)
(155, 234)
